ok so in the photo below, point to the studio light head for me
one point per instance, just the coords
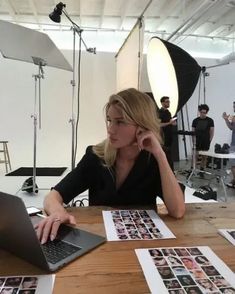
(55, 15)
(172, 72)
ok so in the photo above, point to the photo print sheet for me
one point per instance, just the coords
(122, 225)
(27, 284)
(229, 234)
(185, 270)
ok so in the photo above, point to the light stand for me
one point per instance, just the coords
(205, 74)
(194, 158)
(37, 78)
(31, 186)
(56, 17)
(184, 138)
(190, 134)
(31, 46)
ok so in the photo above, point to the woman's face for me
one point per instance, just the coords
(30, 283)
(120, 133)
(173, 259)
(156, 252)
(188, 263)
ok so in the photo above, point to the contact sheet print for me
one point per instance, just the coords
(27, 284)
(229, 234)
(121, 225)
(185, 270)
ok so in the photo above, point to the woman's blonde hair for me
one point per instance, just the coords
(138, 108)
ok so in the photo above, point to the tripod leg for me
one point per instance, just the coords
(193, 161)
(34, 153)
(189, 178)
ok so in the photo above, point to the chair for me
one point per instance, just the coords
(6, 157)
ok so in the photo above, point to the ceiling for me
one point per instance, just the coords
(206, 28)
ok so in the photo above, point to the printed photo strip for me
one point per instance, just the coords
(229, 234)
(134, 225)
(18, 285)
(192, 270)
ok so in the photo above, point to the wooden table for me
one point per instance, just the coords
(113, 267)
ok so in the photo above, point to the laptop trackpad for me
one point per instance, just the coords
(69, 234)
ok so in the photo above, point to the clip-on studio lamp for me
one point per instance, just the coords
(56, 17)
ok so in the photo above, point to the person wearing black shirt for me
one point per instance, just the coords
(128, 168)
(167, 124)
(203, 126)
(166, 121)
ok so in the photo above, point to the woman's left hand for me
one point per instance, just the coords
(148, 141)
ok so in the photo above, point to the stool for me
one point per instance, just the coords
(5, 152)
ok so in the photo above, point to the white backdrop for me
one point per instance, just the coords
(129, 59)
(220, 89)
(54, 139)
(98, 82)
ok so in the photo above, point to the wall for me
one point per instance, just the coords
(220, 89)
(17, 97)
(98, 82)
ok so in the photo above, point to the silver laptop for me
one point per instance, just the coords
(17, 235)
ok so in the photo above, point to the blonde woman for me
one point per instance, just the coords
(128, 168)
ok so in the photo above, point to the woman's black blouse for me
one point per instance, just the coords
(141, 187)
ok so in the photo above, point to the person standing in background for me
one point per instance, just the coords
(167, 123)
(203, 126)
(230, 122)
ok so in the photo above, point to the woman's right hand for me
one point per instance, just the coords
(48, 227)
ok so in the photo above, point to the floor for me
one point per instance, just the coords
(13, 185)
(183, 170)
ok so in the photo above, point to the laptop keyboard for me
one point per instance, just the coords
(57, 250)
